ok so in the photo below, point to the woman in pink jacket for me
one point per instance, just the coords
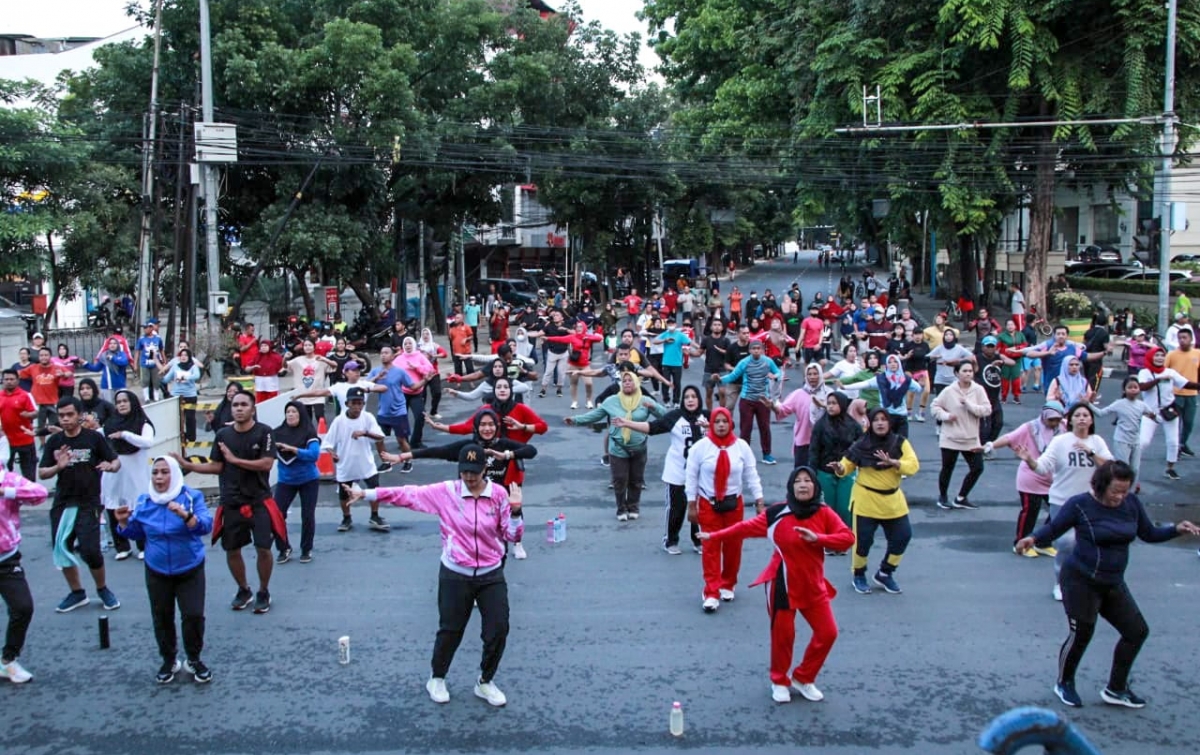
(807, 403)
(476, 521)
(17, 492)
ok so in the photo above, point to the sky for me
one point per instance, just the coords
(100, 18)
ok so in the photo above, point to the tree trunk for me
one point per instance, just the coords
(310, 307)
(989, 271)
(52, 304)
(968, 275)
(358, 284)
(1041, 224)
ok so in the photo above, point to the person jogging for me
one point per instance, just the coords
(801, 529)
(476, 522)
(1106, 519)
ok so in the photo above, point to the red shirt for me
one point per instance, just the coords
(250, 355)
(633, 304)
(522, 413)
(45, 383)
(811, 328)
(269, 364)
(18, 429)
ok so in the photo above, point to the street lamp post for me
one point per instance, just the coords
(209, 171)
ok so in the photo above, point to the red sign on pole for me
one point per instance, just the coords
(331, 300)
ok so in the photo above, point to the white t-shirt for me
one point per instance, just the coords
(1018, 303)
(339, 390)
(356, 456)
(1162, 393)
(843, 370)
(1069, 465)
(308, 374)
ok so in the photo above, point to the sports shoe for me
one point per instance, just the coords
(519, 552)
(284, 556)
(726, 595)
(809, 692)
(384, 468)
(559, 393)
(942, 503)
(590, 405)
(769, 459)
(1049, 550)
(122, 555)
(1027, 553)
(198, 671)
(920, 416)
(961, 502)
(887, 582)
(376, 523)
(490, 692)
(108, 599)
(1066, 692)
(14, 672)
(1185, 451)
(710, 605)
(672, 549)
(633, 515)
(435, 415)
(167, 671)
(406, 468)
(346, 524)
(141, 555)
(244, 597)
(860, 584)
(72, 601)
(622, 517)
(306, 557)
(262, 602)
(436, 687)
(698, 548)
(1171, 474)
(780, 693)
(542, 393)
(1057, 593)
(1125, 697)
(574, 405)
(604, 460)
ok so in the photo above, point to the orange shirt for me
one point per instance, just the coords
(45, 383)
(1186, 363)
(735, 301)
(461, 339)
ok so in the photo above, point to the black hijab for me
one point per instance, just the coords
(503, 408)
(803, 509)
(479, 415)
(862, 453)
(298, 436)
(127, 423)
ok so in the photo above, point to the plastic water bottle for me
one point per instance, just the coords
(560, 533)
(563, 519)
(677, 719)
(551, 531)
(103, 533)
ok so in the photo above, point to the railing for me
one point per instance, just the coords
(81, 342)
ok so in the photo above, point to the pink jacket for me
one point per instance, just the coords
(1029, 481)
(474, 530)
(17, 491)
(799, 402)
(418, 367)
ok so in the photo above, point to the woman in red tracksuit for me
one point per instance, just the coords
(580, 357)
(518, 422)
(801, 530)
(720, 469)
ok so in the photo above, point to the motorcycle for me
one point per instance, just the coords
(368, 332)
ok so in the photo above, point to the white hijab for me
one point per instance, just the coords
(176, 486)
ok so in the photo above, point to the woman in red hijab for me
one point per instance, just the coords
(801, 529)
(720, 469)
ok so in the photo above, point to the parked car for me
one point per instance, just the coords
(1182, 276)
(1095, 253)
(1107, 272)
(514, 291)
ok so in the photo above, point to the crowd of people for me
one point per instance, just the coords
(864, 370)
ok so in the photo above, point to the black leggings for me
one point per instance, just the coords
(974, 461)
(898, 532)
(458, 594)
(677, 515)
(187, 590)
(435, 393)
(1031, 505)
(1084, 600)
(284, 495)
(15, 592)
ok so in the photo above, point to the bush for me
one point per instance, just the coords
(1148, 287)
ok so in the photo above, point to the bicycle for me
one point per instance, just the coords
(1039, 323)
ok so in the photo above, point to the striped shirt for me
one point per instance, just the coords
(754, 374)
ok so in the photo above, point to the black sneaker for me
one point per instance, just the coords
(1171, 474)
(1125, 697)
(244, 597)
(604, 460)
(166, 672)
(1066, 692)
(887, 582)
(345, 525)
(962, 503)
(284, 556)
(942, 503)
(559, 393)
(1187, 451)
(542, 393)
(406, 467)
(376, 523)
(198, 671)
(262, 602)
(306, 557)
(383, 468)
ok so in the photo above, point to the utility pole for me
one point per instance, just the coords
(1163, 194)
(212, 256)
(144, 259)
(421, 272)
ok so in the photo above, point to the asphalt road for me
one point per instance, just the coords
(607, 631)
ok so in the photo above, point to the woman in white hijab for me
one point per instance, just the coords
(172, 521)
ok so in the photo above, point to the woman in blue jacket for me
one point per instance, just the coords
(172, 520)
(297, 449)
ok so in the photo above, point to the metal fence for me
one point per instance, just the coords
(81, 342)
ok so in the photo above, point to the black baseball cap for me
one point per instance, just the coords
(356, 394)
(472, 458)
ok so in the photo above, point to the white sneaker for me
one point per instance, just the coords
(633, 515)
(590, 405)
(490, 692)
(574, 404)
(122, 555)
(519, 552)
(1058, 593)
(14, 672)
(711, 605)
(780, 693)
(141, 555)
(437, 690)
(809, 692)
(622, 517)
(726, 595)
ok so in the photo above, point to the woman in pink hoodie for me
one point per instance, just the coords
(807, 404)
(421, 370)
(17, 492)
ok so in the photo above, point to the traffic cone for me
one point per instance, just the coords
(324, 461)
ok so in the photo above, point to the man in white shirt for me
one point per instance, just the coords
(1017, 305)
(351, 442)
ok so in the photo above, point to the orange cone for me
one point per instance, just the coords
(324, 461)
